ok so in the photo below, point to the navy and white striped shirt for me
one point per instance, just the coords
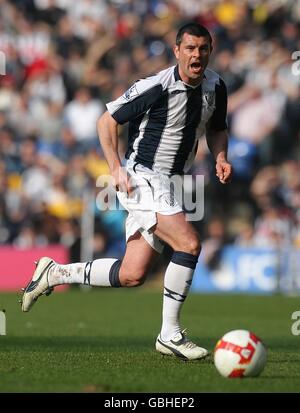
(166, 117)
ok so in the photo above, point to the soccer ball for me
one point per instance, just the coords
(240, 353)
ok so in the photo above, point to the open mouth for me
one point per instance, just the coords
(196, 67)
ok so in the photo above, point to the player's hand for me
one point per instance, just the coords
(122, 180)
(224, 171)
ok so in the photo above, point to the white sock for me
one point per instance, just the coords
(96, 273)
(178, 279)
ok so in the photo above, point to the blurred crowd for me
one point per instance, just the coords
(65, 59)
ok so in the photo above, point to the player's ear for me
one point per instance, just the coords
(176, 51)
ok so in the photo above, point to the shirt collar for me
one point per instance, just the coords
(176, 73)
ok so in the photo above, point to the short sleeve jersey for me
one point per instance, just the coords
(167, 117)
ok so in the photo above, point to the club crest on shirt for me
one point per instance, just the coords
(131, 92)
(209, 98)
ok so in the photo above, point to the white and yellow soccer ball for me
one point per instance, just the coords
(240, 353)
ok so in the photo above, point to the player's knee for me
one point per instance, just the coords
(195, 246)
(134, 282)
(133, 279)
(192, 245)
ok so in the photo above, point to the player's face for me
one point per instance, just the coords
(193, 55)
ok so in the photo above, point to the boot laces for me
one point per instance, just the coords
(188, 343)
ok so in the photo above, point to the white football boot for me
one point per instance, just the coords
(180, 346)
(38, 285)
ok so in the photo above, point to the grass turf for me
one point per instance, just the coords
(103, 341)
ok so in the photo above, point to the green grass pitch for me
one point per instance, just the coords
(103, 341)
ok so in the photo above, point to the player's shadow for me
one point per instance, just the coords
(98, 346)
(75, 343)
(80, 343)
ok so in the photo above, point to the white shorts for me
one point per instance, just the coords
(152, 194)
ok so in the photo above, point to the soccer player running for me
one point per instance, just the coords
(167, 113)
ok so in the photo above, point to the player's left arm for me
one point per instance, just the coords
(217, 142)
(216, 134)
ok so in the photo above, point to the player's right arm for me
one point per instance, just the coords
(135, 101)
(107, 128)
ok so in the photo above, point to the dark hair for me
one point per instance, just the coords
(194, 29)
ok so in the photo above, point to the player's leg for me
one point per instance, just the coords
(181, 236)
(179, 233)
(104, 272)
(109, 272)
(137, 261)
